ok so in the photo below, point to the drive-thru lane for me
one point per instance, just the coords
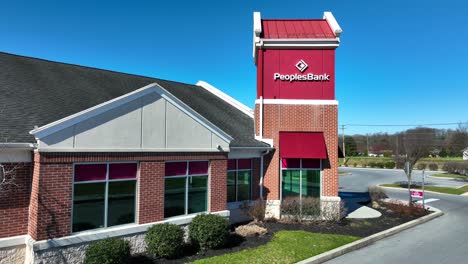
(442, 240)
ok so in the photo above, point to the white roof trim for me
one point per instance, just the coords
(121, 100)
(328, 16)
(26, 146)
(228, 99)
(257, 23)
(297, 102)
(136, 150)
(257, 28)
(300, 43)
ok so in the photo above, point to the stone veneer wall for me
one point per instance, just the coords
(13, 255)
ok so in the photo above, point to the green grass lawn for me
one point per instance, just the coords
(360, 160)
(286, 247)
(450, 175)
(448, 190)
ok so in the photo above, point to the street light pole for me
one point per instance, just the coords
(344, 148)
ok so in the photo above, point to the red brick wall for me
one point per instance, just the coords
(151, 192)
(51, 199)
(218, 185)
(317, 118)
(51, 196)
(14, 200)
(255, 178)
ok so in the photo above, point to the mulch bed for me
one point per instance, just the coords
(352, 227)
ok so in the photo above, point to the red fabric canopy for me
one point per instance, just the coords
(306, 145)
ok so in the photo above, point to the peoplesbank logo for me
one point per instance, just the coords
(301, 66)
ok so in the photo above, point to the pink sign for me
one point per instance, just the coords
(417, 194)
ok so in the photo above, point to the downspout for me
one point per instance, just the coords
(261, 117)
(261, 173)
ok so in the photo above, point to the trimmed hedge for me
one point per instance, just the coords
(433, 167)
(208, 231)
(421, 166)
(108, 251)
(456, 167)
(164, 240)
(390, 165)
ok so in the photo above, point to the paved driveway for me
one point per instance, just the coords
(442, 240)
(360, 179)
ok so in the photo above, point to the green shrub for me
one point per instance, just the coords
(390, 164)
(208, 231)
(355, 164)
(164, 240)
(372, 164)
(421, 166)
(380, 165)
(108, 251)
(433, 167)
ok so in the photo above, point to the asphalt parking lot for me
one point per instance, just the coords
(442, 240)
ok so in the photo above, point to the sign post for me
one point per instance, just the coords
(423, 179)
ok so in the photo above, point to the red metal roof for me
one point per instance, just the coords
(306, 145)
(300, 29)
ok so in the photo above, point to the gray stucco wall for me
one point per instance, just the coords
(149, 122)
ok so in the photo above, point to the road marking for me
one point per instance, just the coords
(428, 200)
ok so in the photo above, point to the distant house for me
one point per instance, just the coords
(465, 154)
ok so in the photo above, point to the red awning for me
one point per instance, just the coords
(307, 145)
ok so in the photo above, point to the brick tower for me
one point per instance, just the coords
(296, 110)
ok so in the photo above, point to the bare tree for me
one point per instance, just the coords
(8, 170)
(458, 140)
(7, 175)
(417, 143)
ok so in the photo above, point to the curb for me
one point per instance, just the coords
(445, 178)
(368, 168)
(398, 188)
(370, 239)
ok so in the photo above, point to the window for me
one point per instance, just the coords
(300, 177)
(185, 187)
(239, 177)
(104, 195)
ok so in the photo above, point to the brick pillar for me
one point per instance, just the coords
(218, 185)
(51, 200)
(151, 192)
(330, 165)
(255, 178)
(271, 179)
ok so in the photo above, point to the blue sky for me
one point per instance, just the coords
(400, 62)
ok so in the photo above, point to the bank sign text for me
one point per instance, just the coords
(301, 77)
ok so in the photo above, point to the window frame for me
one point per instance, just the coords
(300, 176)
(237, 182)
(106, 194)
(186, 193)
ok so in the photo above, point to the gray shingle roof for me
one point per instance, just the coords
(37, 92)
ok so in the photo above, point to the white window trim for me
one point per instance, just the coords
(186, 176)
(300, 176)
(107, 180)
(236, 182)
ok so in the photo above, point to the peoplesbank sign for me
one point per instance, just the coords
(309, 77)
